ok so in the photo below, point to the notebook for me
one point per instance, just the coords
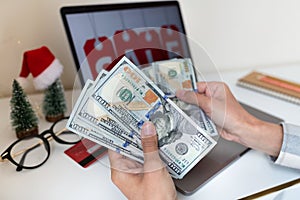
(271, 85)
(89, 25)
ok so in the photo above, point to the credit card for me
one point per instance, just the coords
(86, 152)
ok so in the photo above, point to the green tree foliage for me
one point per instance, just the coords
(54, 102)
(22, 115)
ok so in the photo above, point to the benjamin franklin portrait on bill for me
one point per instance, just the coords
(170, 125)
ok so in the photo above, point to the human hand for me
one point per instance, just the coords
(148, 181)
(219, 104)
(233, 121)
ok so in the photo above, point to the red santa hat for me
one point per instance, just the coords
(43, 66)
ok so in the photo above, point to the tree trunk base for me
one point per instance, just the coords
(32, 131)
(54, 118)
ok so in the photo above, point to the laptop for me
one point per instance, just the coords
(114, 30)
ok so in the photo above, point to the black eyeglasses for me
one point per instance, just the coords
(33, 151)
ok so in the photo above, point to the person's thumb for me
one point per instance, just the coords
(152, 160)
(149, 138)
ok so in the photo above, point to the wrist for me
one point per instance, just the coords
(263, 136)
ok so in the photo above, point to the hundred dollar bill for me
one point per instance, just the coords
(194, 112)
(198, 115)
(210, 126)
(79, 127)
(100, 75)
(105, 137)
(149, 72)
(128, 95)
(174, 74)
(96, 117)
(93, 115)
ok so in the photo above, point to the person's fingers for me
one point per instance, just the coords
(123, 170)
(122, 164)
(193, 98)
(113, 158)
(152, 160)
(202, 87)
(187, 96)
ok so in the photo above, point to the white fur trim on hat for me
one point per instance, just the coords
(48, 76)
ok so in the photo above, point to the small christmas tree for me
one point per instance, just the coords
(24, 120)
(54, 104)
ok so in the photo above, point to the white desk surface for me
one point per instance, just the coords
(61, 178)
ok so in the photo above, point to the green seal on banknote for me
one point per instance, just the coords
(172, 73)
(125, 94)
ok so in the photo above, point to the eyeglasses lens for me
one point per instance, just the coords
(29, 152)
(60, 130)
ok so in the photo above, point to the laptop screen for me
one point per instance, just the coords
(145, 32)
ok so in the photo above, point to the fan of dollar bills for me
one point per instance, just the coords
(112, 109)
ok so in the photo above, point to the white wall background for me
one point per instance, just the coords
(236, 33)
